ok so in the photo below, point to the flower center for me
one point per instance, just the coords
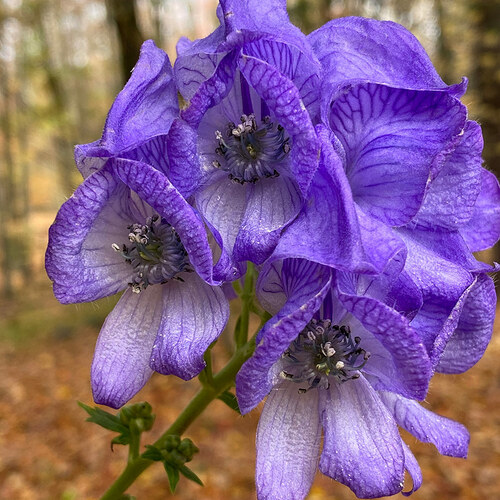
(322, 351)
(155, 253)
(249, 152)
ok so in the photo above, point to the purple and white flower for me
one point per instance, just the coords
(345, 366)
(245, 146)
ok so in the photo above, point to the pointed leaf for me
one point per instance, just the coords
(104, 419)
(173, 476)
(231, 401)
(189, 474)
(152, 453)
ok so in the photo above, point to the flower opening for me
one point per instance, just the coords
(249, 151)
(321, 351)
(156, 253)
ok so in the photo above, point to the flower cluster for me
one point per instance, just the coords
(342, 166)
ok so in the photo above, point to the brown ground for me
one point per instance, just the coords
(48, 451)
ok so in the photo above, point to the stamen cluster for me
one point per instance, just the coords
(322, 351)
(155, 253)
(252, 152)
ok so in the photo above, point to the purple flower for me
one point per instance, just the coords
(245, 147)
(338, 363)
(127, 228)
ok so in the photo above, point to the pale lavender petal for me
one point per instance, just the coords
(362, 448)
(223, 203)
(411, 465)
(194, 314)
(355, 48)
(272, 203)
(306, 287)
(468, 342)
(79, 259)
(483, 229)
(87, 164)
(449, 437)
(121, 361)
(390, 135)
(288, 441)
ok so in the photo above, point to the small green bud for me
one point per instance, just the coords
(172, 442)
(188, 449)
(176, 458)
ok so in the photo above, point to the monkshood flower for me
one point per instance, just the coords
(345, 366)
(412, 160)
(127, 228)
(245, 146)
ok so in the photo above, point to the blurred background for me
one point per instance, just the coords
(62, 62)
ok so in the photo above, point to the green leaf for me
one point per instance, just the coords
(121, 439)
(230, 399)
(105, 419)
(189, 474)
(152, 453)
(173, 476)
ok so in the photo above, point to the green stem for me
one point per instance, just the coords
(221, 382)
(241, 334)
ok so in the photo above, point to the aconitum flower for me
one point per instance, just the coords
(245, 146)
(412, 161)
(343, 365)
(127, 228)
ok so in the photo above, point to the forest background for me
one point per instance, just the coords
(62, 62)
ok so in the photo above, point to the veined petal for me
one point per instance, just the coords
(449, 437)
(271, 204)
(483, 229)
(120, 367)
(362, 448)
(450, 199)
(326, 231)
(86, 163)
(468, 342)
(79, 259)
(288, 441)
(394, 333)
(285, 103)
(156, 190)
(355, 48)
(309, 284)
(194, 315)
(390, 136)
(411, 465)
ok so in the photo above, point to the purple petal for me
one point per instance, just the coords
(411, 465)
(328, 219)
(362, 448)
(288, 441)
(272, 203)
(306, 287)
(120, 367)
(407, 354)
(450, 199)
(223, 204)
(483, 229)
(283, 99)
(389, 136)
(194, 314)
(473, 333)
(146, 106)
(449, 437)
(79, 259)
(85, 163)
(354, 48)
(156, 190)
